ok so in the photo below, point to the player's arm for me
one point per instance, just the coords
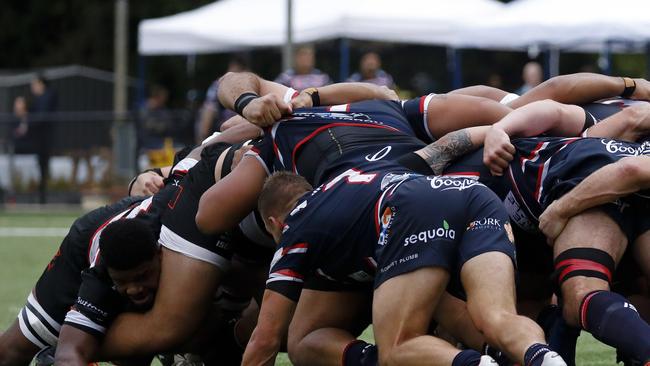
(446, 113)
(484, 91)
(439, 154)
(227, 202)
(185, 291)
(582, 88)
(342, 93)
(259, 101)
(272, 326)
(630, 124)
(626, 176)
(75, 347)
(545, 116)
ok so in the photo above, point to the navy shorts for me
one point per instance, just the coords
(438, 222)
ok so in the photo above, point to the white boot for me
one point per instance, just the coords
(487, 361)
(553, 359)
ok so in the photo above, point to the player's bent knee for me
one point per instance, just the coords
(579, 271)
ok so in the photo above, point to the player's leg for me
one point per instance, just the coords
(488, 280)
(402, 310)
(325, 326)
(15, 348)
(586, 253)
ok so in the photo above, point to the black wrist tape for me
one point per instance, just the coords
(242, 101)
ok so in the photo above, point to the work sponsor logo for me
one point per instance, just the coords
(444, 232)
(387, 219)
(486, 223)
(626, 149)
(447, 183)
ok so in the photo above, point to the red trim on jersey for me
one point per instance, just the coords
(582, 264)
(347, 107)
(289, 273)
(532, 153)
(320, 129)
(377, 216)
(540, 175)
(422, 99)
(172, 204)
(295, 246)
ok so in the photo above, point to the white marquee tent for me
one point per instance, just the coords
(582, 25)
(229, 25)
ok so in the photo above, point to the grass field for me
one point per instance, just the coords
(24, 253)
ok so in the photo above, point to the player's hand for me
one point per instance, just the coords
(266, 110)
(239, 154)
(552, 222)
(302, 100)
(386, 93)
(147, 184)
(642, 90)
(498, 151)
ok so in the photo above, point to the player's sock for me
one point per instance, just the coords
(561, 337)
(467, 357)
(534, 355)
(611, 319)
(360, 353)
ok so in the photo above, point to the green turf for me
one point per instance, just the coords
(23, 259)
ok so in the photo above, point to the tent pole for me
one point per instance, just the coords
(553, 62)
(287, 51)
(455, 67)
(647, 60)
(140, 91)
(605, 60)
(344, 59)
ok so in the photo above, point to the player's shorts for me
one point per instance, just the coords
(179, 231)
(438, 222)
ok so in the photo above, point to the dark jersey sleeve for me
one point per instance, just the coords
(416, 113)
(97, 303)
(291, 263)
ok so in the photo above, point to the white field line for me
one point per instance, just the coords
(33, 231)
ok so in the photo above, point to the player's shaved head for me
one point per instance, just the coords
(280, 192)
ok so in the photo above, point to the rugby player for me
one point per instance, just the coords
(62, 284)
(544, 169)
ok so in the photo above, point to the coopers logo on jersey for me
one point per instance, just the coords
(626, 149)
(444, 232)
(459, 184)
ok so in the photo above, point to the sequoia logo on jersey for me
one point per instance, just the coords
(626, 149)
(444, 232)
(459, 184)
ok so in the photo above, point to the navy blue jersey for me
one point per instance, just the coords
(546, 168)
(324, 237)
(319, 142)
(602, 109)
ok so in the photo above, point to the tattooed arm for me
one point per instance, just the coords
(451, 146)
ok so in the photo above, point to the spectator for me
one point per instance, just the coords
(156, 120)
(36, 125)
(370, 71)
(212, 113)
(304, 74)
(532, 75)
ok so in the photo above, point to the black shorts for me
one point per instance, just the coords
(439, 222)
(57, 289)
(179, 231)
